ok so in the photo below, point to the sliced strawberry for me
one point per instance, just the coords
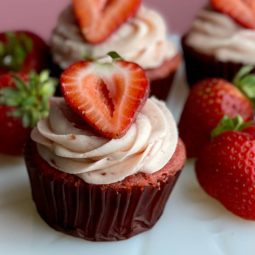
(242, 11)
(98, 19)
(107, 95)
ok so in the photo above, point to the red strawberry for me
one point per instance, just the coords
(98, 19)
(22, 51)
(23, 101)
(242, 11)
(107, 94)
(208, 101)
(226, 171)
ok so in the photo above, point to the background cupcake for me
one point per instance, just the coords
(140, 38)
(96, 180)
(220, 41)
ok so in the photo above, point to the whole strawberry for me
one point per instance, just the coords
(23, 101)
(226, 168)
(211, 99)
(22, 51)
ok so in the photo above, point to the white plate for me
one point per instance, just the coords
(192, 223)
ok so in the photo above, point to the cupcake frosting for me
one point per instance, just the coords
(219, 35)
(147, 146)
(142, 39)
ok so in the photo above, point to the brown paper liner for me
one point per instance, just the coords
(200, 66)
(98, 212)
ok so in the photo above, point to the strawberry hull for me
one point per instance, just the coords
(200, 66)
(100, 212)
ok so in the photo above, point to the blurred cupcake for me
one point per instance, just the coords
(220, 41)
(89, 184)
(141, 38)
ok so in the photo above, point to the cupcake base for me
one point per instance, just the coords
(201, 66)
(100, 212)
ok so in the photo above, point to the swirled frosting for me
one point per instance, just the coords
(147, 146)
(219, 35)
(143, 39)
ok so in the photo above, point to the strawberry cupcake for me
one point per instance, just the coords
(102, 165)
(88, 30)
(220, 40)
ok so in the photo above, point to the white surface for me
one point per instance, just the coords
(192, 223)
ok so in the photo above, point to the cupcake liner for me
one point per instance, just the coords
(200, 66)
(94, 212)
(161, 78)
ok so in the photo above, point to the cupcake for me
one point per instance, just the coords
(138, 34)
(220, 41)
(103, 165)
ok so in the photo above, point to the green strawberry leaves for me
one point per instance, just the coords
(14, 51)
(29, 99)
(228, 124)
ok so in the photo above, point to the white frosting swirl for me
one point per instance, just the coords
(147, 146)
(219, 35)
(143, 39)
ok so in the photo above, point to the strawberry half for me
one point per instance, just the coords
(98, 19)
(22, 51)
(226, 168)
(209, 100)
(106, 93)
(242, 11)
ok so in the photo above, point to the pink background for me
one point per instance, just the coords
(40, 15)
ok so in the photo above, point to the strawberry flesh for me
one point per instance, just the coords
(242, 11)
(108, 96)
(98, 19)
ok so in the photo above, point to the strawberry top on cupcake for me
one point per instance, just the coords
(225, 30)
(90, 29)
(105, 128)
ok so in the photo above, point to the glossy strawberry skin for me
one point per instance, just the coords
(108, 103)
(208, 101)
(12, 133)
(100, 19)
(38, 59)
(242, 11)
(226, 171)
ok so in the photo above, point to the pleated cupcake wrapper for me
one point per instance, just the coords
(200, 66)
(161, 88)
(95, 212)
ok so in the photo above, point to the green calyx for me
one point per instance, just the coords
(114, 55)
(29, 99)
(245, 82)
(14, 51)
(228, 124)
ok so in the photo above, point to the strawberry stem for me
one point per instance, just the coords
(245, 82)
(29, 99)
(228, 124)
(13, 52)
(114, 55)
